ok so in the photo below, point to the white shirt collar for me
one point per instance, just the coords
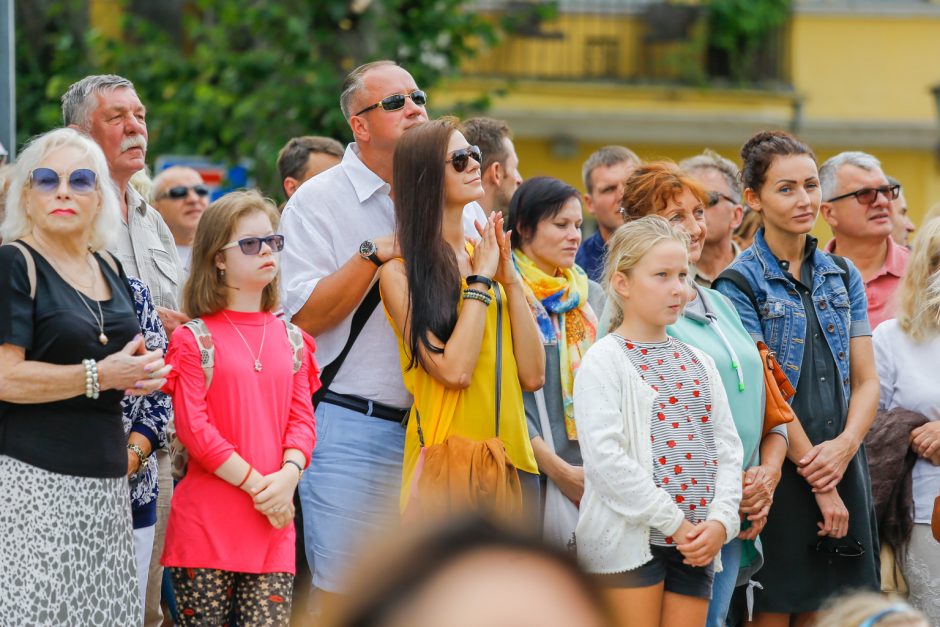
(364, 181)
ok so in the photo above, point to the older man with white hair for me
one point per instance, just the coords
(857, 205)
(106, 107)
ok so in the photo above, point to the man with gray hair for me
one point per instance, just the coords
(857, 205)
(720, 179)
(106, 107)
(604, 172)
(339, 229)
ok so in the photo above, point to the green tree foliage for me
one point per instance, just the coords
(236, 79)
(741, 28)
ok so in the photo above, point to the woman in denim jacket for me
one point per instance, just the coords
(810, 308)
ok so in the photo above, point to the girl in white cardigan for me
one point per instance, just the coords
(662, 458)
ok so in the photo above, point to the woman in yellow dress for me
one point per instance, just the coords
(441, 302)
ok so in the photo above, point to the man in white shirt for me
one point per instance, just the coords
(181, 197)
(339, 229)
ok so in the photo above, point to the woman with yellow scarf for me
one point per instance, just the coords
(545, 221)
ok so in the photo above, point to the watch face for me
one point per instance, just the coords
(367, 248)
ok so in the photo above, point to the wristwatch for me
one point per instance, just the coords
(140, 455)
(367, 250)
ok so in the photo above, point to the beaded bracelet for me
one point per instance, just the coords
(92, 387)
(483, 297)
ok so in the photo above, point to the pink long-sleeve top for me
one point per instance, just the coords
(259, 415)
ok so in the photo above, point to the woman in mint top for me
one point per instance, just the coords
(711, 324)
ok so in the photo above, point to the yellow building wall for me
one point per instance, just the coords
(864, 67)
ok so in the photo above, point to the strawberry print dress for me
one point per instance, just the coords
(685, 459)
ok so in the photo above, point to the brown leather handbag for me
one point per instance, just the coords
(461, 474)
(779, 390)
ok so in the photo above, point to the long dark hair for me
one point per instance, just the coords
(430, 263)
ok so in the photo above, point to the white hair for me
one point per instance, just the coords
(78, 101)
(16, 221)
(830, 169)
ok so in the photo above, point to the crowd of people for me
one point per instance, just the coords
(443, 341)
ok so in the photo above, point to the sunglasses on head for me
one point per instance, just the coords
(397, 101)
(182, 191)
(849, 546)
(714, 197)
(81, 181)
(252, 245)
(868, 195)
(460, 159)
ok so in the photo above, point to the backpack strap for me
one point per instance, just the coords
(844, 266)
(296, 339)
(30, 267)
(206, 347)
(737, 279)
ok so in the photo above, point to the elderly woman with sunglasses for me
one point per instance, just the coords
(70, 349)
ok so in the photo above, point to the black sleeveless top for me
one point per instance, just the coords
(76, 436)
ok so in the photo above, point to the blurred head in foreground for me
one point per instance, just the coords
(469, 573)
(867, 609)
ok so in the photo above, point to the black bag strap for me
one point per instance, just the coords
(499, 365)
(737, 279)
(844, 266)
(362, 315)
(499, 352)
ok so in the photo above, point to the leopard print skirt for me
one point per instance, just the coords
(66, 549)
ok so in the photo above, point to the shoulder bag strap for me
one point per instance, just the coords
(30, 267)
(499, 351)
(366, 307)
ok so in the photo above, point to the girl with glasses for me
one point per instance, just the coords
(441, 300)
(662, 457)
(243, 413)
(809, 307)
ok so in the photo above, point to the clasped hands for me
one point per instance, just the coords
(273, 495)
(699, 543)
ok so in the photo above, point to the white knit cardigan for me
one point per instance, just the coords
(612, 407)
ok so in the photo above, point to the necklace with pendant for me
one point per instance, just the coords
(99, 319)
(264, 330)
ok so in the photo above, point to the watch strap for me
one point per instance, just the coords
(374, 258)
(139, 452)
(479, 278)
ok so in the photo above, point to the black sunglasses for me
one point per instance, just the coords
(47, 180)
(252, 245)
(868, 195)
(460, 159)
(714, 197)
(181, 191)
(397, 101)
(847, 547)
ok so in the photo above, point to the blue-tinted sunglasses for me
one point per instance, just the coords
(47, 180)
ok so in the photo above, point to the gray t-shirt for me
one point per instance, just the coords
(568, 450)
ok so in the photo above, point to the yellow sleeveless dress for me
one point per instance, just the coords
(470, 412)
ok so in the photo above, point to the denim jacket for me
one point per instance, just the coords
(781, 322)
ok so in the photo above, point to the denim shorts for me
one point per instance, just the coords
(667, 566)
(350, 494)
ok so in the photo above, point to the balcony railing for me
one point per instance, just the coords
(626, 41)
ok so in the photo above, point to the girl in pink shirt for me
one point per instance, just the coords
(249, 434)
